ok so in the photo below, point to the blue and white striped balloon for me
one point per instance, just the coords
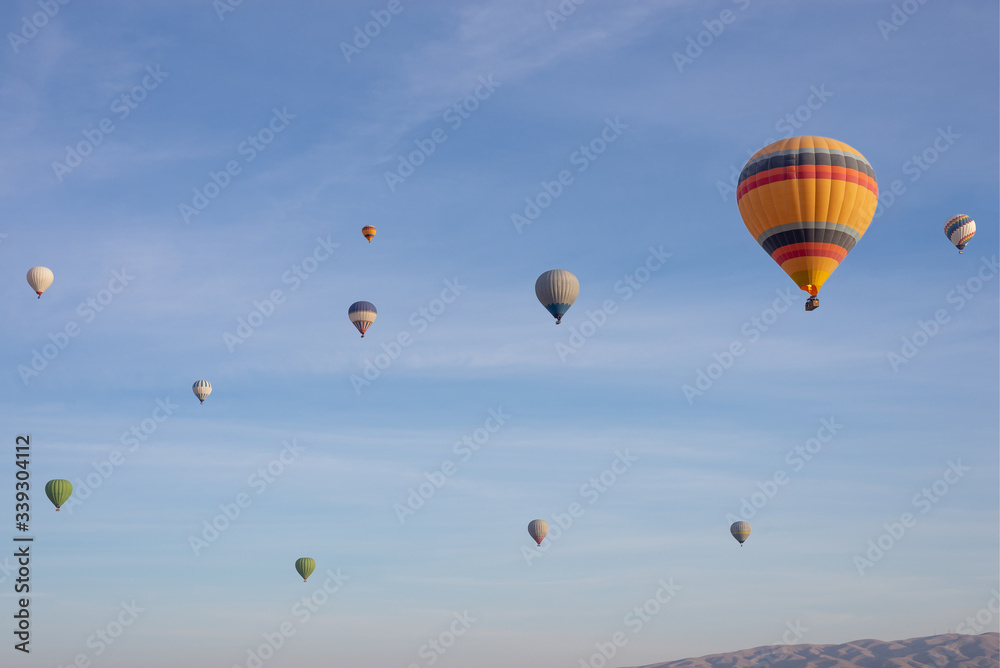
(362, 314)
(202, 389)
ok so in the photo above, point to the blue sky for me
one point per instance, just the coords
(202, 85)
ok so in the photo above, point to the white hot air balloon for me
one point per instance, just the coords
(538, 530)
(557, 290)
(40, 278)
(202, 389)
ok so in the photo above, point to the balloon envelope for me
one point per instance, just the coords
(538, 529)
(58, 491)
(202, 388)
(557, 289)
(40, 278)
(807, 201)
(368, 231)
(305, 566)
(960, 229)
(362, 314)
(740, 531)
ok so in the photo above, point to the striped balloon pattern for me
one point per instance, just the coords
(201, 389)
(807, 201)
(960, 229)
(305, 566)
(58, 491)
(538, 530)
(740, 531)
(362, 314)
(40, 278)
(557, 290)
(369, 232)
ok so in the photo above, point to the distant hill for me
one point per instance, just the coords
(945, 651)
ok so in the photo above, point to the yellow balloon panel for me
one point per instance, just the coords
(807, 201)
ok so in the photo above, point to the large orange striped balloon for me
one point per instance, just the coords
(807, 201)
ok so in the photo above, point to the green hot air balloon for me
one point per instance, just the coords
(58, 491)
(305, 566)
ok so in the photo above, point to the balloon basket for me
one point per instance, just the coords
(812, 304)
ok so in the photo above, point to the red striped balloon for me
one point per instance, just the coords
(807, 201)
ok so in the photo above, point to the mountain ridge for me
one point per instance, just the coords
(950, 650)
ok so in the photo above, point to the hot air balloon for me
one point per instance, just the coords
(740, 531)
(40, 278)
(202, 389)
(58, 491)
(369, 231)
(960, 229)
(362, 314)
(557, 290)
(538, 529)
(807, 201)
(305, 566)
